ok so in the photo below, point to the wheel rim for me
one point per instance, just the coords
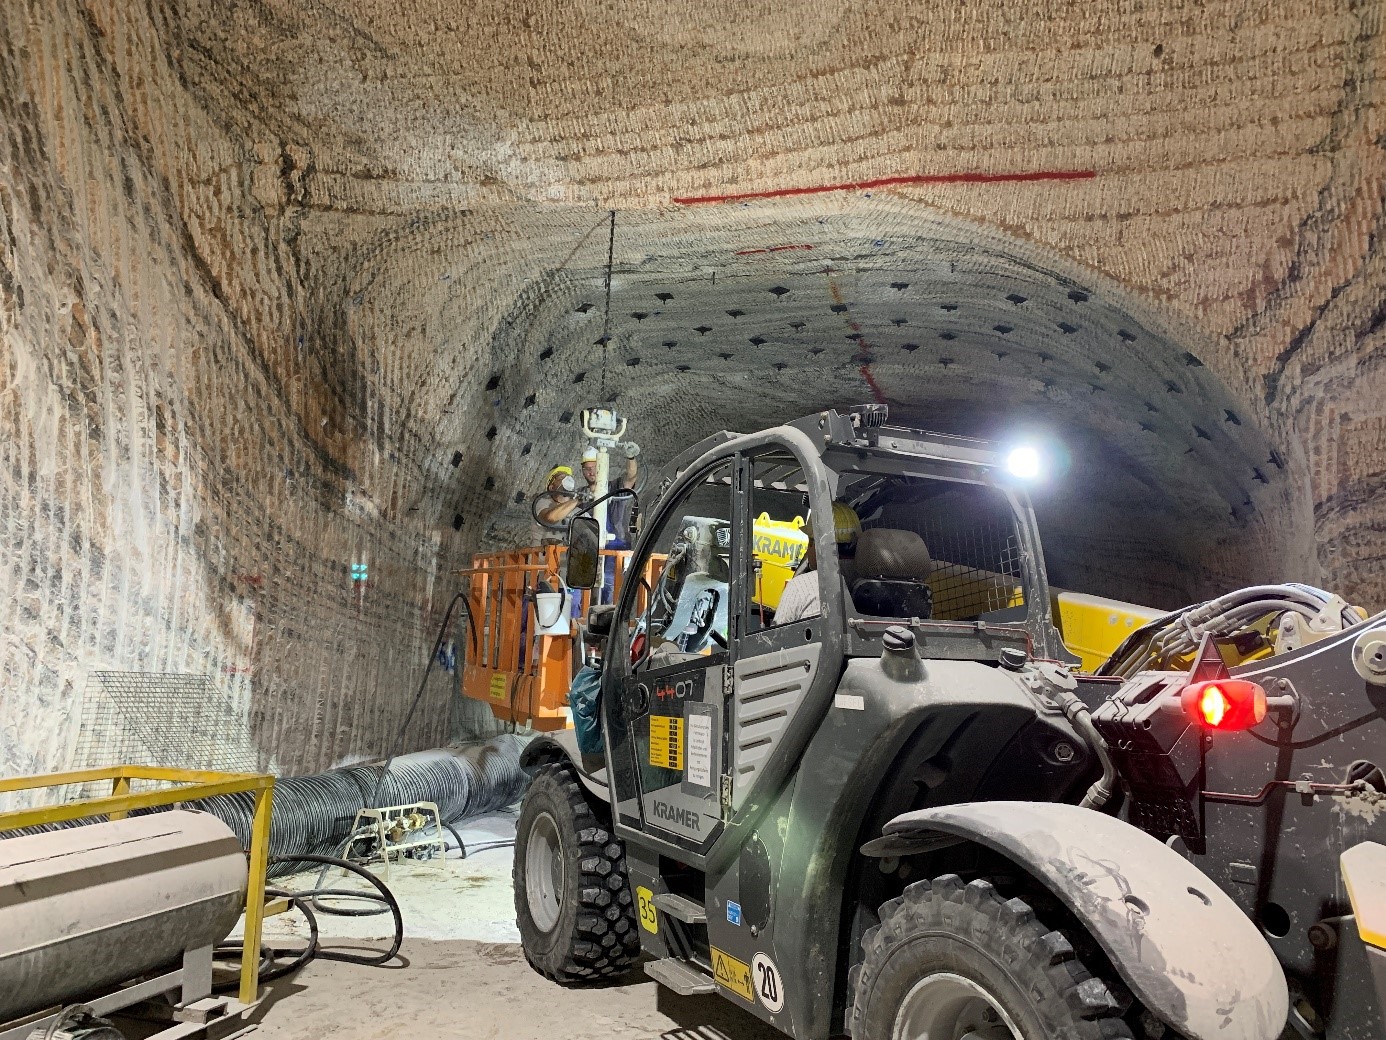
(945, 1006)
(544, 872)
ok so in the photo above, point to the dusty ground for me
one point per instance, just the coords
(462, 973)
(485, 991)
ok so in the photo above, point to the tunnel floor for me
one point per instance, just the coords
(485, 991)
(461, 971)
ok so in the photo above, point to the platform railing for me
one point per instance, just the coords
(520, 669)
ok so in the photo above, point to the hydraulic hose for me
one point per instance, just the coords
(1102, 789)
(1179, 633)
(306, 902)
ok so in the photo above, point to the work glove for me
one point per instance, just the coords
(632, 449)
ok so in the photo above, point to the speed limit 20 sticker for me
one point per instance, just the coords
(769, 987)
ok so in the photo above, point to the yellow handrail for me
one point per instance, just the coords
(199, 784)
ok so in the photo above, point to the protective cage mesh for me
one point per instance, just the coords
(976, 570)
(976, 562)
(162, 719)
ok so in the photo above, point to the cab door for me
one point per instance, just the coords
(666, 722)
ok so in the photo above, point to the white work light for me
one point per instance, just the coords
(1024, 462)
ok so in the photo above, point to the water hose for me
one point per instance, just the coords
(306, 902)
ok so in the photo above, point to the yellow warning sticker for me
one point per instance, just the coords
(735, 975)
(649, 916)
(498, 686)
(666, 742)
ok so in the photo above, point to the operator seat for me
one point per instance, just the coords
(890, 575)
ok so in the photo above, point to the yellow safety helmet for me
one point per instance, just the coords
(560, 471)
(846, 524)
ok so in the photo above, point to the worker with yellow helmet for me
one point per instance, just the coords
(564, 494)
(559, 500)
(800, 598)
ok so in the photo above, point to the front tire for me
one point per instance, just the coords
(572, 897)
(957, 962)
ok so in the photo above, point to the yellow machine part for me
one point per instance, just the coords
(967, 592)
(1093, 627)
(1364, 873)
(779, 545)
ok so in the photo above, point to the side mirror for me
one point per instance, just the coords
(599, 619)
(584, 553)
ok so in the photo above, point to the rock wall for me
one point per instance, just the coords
(184, 483)
(286, 288)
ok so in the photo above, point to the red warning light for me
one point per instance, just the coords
(1226, 704)
(1212, 705)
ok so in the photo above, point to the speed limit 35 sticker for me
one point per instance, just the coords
(769, 987)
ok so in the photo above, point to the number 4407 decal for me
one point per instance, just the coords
(769, 987)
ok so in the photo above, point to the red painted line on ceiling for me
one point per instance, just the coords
(890, 182)
(870, 378)
(863, 348)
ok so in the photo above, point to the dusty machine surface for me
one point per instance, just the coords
(904, 813)
(85, 911)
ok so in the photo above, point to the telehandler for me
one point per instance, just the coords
(906, 814)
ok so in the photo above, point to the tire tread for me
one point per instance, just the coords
(604, 941)
(1076, 1004)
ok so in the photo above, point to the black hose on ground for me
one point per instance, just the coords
(499, 843)
(306, 902)
(486, 846)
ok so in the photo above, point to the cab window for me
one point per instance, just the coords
(936, 550)
(779, 542)
(688, 569)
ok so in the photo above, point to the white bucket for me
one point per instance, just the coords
(553, 619)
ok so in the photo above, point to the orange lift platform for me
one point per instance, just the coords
(523, 649)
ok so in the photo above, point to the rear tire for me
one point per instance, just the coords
(951, 961)
(572, 897)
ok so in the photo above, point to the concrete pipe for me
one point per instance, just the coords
(91, 907)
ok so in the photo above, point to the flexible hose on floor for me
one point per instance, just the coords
(315, 814)
(306, 902)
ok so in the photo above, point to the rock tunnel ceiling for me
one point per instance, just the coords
(291, 293)
(741, 320)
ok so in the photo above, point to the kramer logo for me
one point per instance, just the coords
(685, 818)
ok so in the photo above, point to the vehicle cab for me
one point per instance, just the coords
(948, 547)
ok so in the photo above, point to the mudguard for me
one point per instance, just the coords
(561, 745)
(1186, 951)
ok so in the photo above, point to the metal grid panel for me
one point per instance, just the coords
(164, 719)
(976, 564)
(170, 719)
